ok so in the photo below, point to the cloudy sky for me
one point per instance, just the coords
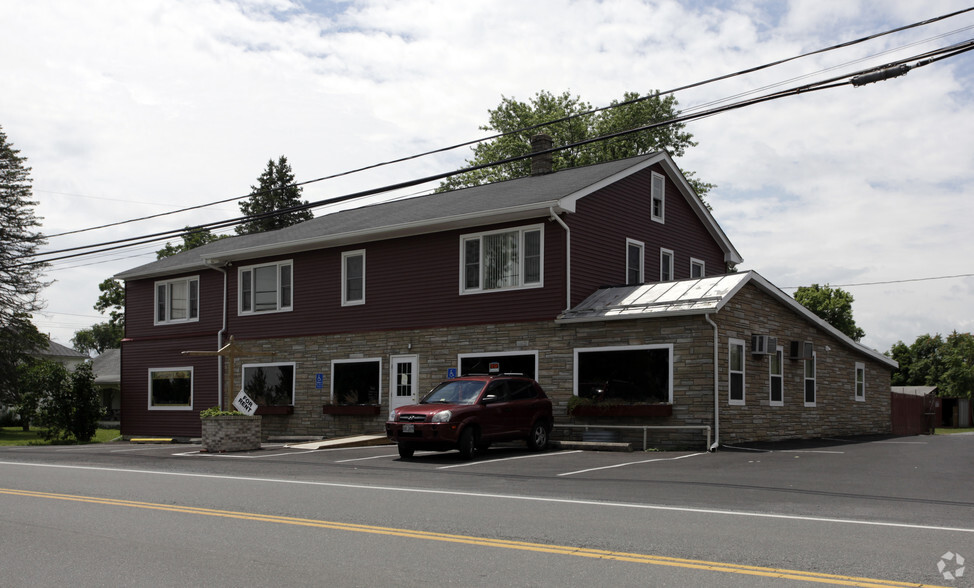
(129, 109)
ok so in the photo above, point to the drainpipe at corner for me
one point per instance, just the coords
(716, 443)
(568, 258)
(220, 333)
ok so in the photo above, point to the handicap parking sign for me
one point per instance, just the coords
(319, 381)
(451, 373)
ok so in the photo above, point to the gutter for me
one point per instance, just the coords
(568, 258)
(716, 443)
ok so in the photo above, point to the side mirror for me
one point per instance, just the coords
(489, 399)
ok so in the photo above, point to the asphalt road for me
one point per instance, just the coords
(878, 512)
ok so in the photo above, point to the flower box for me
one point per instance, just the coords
(230, 433)
(351, 409)
(275, 410)
(622, 410)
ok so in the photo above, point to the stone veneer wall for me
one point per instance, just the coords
(231, 433)
(749, 312)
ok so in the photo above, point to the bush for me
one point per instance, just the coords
(66, 404)
(215, 411)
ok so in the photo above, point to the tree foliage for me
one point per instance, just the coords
(20, 284)
(275, 190)
(107, 335)
(65, 404)
(18, 340)
(513, 115)
(947, 363)
(833, 305)
(193, 237)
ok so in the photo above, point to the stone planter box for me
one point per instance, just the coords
(231, 433)
(351, 409)
(623, 410)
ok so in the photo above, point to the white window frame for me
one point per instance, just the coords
(335, 362)
(294, 377)
(168, 284)
(521, 285)
(666, 262)
(641, 261)
(463, 356)
(806, 379)
(779, 354)
(346, 301)
(657, 193)
(860, 393)
(279, 307)
(192, 384)
(731, 372)
(695, 263)
(667, 346)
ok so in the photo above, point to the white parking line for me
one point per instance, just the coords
(619, 465)
(472, 463)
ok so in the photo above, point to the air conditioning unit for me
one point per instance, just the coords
(763, 344)
(801, 350)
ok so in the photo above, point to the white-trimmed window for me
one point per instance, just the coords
(628, 374)
(266, 288)
(810, 381)
(665, 265)
(171, 388)
(735, 371)
(698, 268)
(860, 382)
(269, 384)
(356, 381)
(500, 362)
(353, 277)
(635, 263)
(658, 197)
(502, 260)
(776, 372)
(178, 301)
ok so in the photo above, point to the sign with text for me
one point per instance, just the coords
(245, 404)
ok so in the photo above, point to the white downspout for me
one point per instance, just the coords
(219, 336)
(716, 443)
(568, 257)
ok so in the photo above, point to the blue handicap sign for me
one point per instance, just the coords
(451, 373)
(319, 381)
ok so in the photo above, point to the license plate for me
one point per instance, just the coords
(409, 428)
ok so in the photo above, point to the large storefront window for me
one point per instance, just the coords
(524, 364)
(171, 389)
(269, 384)
(356, 381)
(633, 374)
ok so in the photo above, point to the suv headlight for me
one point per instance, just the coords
(442, 417)
(392, 416)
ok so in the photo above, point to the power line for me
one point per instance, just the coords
(888, 282)
(547, 123)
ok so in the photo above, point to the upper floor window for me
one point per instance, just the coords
(658, 196)
(697, 268)
(735, 375)
(266, 288)
(501, 260)
(665, 265)
(634, 261)
(860, 381)
(178, 300)
(353, 277)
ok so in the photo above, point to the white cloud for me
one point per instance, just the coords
(128, 109)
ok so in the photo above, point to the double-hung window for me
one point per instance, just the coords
(860, 381)
(697, 268)
(777, 377)
(634, 261)
(810, 380)
(665, 265)
(502, 260)
(353, 277)
(735, 372)
(178, 301)
(266, 288)
(658, 196)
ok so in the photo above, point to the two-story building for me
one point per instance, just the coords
(611, 281)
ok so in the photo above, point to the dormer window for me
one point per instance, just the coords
(658, 196)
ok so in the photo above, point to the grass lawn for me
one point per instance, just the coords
(17, 436)
(943, 431)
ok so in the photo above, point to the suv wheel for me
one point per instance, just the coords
(538, 439)
(405, 451)
(467, 444)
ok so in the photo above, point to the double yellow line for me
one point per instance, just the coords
(836, 580)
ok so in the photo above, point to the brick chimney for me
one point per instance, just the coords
(541, 163)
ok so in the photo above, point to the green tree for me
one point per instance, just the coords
(193, 237)
(20, 279)
(107, 335)
(947, 363)
(958, 378)
(65, 404)
(833, 305)
(18, 340)
(275, 190)
(513, 115)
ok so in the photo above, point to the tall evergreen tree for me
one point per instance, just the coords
(275, 190)
(20, 280)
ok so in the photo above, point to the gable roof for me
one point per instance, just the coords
(693, 297)
(56, 350)
(511, 200)
(107, 367)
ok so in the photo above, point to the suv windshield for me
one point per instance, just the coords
(455, 392)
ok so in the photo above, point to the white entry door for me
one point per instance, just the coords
(402, 387)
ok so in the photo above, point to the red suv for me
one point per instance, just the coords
(470, 413)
